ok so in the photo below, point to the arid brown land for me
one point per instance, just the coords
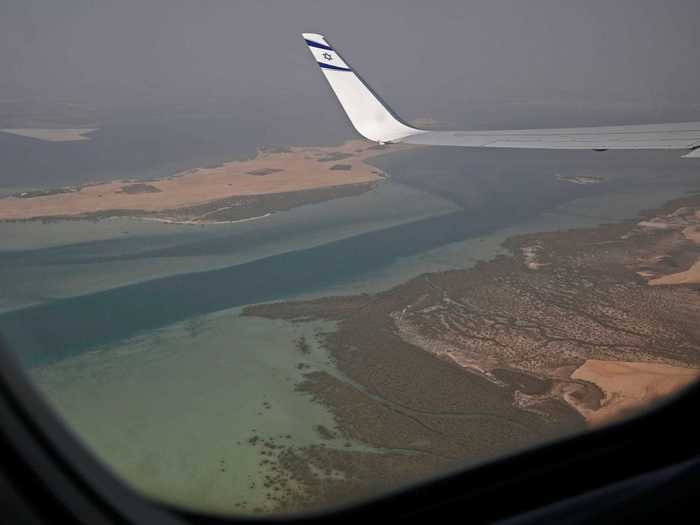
(454, 368)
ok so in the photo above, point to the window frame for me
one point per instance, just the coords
(58, 477)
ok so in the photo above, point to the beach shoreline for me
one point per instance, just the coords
(276, 179)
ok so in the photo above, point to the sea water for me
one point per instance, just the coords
(137, 341)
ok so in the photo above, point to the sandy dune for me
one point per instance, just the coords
(293, 169)
(690, 276)
(629, 386)
(686, 221)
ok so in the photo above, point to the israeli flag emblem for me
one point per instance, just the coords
(325, 55)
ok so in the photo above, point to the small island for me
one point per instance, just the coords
(52, 134)
(276, 179)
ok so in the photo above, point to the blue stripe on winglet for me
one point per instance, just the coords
(336, 68)
(320, 46)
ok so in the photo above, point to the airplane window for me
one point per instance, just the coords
(253, 286)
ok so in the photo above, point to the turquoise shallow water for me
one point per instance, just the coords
(173, 411)
(42, 262)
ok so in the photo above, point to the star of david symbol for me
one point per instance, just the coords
(328, 56)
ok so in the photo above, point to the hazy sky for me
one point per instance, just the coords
(460, 62)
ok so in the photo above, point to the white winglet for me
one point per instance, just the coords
(374, 120)
(371, 118)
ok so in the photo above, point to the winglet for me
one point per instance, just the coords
(369, 116)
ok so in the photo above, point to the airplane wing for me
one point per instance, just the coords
(374, 120)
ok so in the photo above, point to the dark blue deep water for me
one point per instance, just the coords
(493, 189)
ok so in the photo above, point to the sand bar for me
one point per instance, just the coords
(270, 172)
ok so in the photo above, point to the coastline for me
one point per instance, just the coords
(547, 332)
(394, 434)
(395, 413)
(276, 179)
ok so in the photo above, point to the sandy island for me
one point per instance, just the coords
(52, 135)
(271, 172)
